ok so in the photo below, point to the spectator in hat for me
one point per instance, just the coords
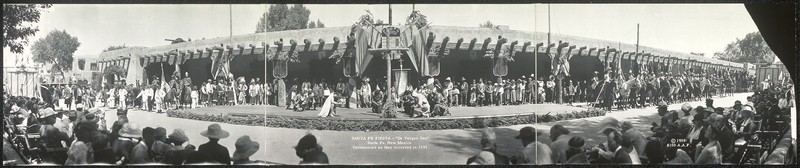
(697, 134)
(52, 137)
(244, 149)
(488, 144)
(78, 154)
(662, 108)
(122, 118)
(745, 125)
(627, 144)
(129, 136)
(177, 153)
(560, 137)
(711, 153)
(576, 154)
(483, 158)
(534, 152)
(160, 146)
(213, 149)
(724, 134)
(638, 140)
(140, 154)
(310, 151)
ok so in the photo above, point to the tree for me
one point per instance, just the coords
(115, 70)
(488, 24)
(751, 49)
(297, 17)
(280, 17)
(112, 48)
(312, 25)
(320, 24)
(15, 16)
(56, 49)
(262, 23)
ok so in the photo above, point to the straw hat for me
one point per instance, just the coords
(178, 135)
(608, 123)
(244, 148)
(130, 130)
(215, 131)
(47, 113)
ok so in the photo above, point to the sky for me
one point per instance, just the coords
(700, 28)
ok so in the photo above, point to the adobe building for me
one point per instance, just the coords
(331, 54)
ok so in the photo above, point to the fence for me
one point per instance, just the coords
(21, 81)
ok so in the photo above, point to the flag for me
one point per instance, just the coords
(363, 57)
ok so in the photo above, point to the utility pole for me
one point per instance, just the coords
(637, 37)
(390, 14)
(548, 25)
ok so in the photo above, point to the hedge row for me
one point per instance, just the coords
(386, 125)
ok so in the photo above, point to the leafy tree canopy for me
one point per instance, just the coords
(281, 17)
(488, 24)
(17, 20)
(751, 49)
(115, 70)
(57, 49)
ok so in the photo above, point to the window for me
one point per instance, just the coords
(93, 67)
(81, 64)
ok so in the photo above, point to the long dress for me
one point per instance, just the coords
(327, 107)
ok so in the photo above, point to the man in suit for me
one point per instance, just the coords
(621, 148)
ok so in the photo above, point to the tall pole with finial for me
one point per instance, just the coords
(390, 14)
(548, 24)
(637, 37)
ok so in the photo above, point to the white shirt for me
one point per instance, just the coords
(123, 93)
(634, 156)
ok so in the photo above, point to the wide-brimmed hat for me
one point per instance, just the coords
(307, 142)
(95, 110)
(608, 123)
(215, 131)
(686, 107)
(89, 118)
(179, 136)
(528, 133)
(244, 148)
(130, 130)
(46, 113)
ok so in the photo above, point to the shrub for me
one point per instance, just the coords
(341, 124)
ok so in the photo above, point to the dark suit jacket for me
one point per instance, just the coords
(621, 157)
(498, 159)
(316, 157)
(216, 151)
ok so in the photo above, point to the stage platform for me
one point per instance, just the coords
(366, 114)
